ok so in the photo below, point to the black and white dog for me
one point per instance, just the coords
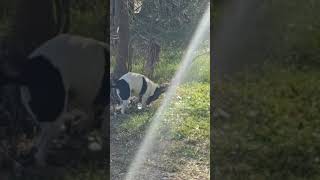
(66, 71)
(134, 84)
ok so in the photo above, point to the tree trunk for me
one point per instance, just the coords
(123, 49)
(153, 57)
(130, 59)
(63, 15)
(33, 25)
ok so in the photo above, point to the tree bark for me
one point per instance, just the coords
(123, 49)
(130, 58)
(63, 15)
(153, 57)
(33, 25)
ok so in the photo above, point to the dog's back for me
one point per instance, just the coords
(81, 62)
(62, 65)
(134, 80)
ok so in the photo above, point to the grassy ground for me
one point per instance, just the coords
(86, 173)
(182, 147)
(271, 130)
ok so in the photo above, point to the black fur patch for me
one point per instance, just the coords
(155, 96)
(124, 89)
(46, 88)
(143, 88)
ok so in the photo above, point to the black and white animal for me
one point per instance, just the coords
(66, 71)
(134, 84)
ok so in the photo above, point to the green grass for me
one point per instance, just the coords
(273, 129)
(199, 70)
(165, 68)
(186, 121)
(185, 127)
(87, 174)
(189, 114)
(138, 120)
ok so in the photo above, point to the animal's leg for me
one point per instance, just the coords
(144, 101)
(41, 144)
(124, 106)
(49, 130)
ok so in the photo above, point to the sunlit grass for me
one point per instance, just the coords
(188, 116)
(187, 119)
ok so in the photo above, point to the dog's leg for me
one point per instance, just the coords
(49, 130)
(124, 105)
(40, 144)
(144, 101)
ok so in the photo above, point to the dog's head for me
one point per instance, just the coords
(159, 90)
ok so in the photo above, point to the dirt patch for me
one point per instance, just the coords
(123, 148)
(161, 163)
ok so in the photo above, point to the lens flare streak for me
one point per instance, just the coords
(148, 142)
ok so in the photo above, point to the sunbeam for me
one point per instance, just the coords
(148, 141)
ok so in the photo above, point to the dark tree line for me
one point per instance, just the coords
(121, 8)
(37, 21)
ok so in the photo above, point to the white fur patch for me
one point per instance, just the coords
(135, 82)
(25, 99)
(81, 63)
